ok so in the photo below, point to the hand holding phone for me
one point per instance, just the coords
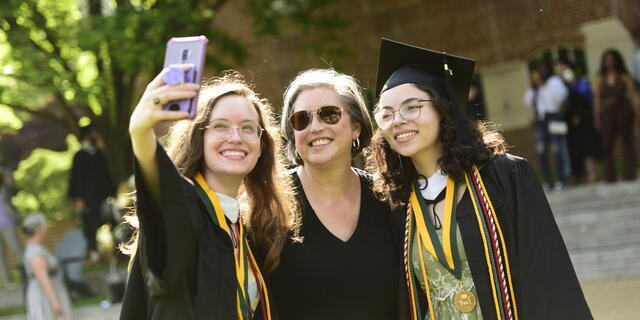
(178, 75)
(189, 51)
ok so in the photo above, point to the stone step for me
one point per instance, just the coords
(589, 216)
(586, 242)
(599, 211)
(630, 201)
(594, 192)
(601, 228)
(604, 271)
(595, 204)
(592, 229)
(607, 262)
(607, 254)
(600, 224)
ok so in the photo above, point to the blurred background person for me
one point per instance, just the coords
(614, 103)
(476, 109)
(47, 297)
(89, 186)
(547, 96)
(583, 140)
(70, 252)
(8, 219)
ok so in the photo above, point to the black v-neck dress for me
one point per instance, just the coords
(326, 278)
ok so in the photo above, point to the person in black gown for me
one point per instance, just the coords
(582, 137)
(89, 186)
(347, 265)
(192, 257)
(478, 221)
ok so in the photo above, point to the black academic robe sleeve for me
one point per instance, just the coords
(547, 285)
(167, 233)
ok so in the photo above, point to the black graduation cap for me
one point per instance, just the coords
(401, 63)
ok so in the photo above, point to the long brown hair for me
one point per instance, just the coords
(271, 213)
(394, 175)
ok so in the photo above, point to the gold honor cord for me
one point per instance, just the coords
(495, 248)
(483, 189)
(447, 252)
(426, 281)
(262, 285)
(212, 203)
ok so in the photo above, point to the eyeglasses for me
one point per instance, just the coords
(328, 114)
(223, 130)
(408, 111)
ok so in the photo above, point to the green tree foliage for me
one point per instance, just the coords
(42, 179)
(89, 59)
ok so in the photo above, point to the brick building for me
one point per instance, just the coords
(503, 36)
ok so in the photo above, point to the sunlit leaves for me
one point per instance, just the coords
(93, 62)
(9, 122)
(43, 179)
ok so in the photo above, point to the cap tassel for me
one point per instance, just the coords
(463, 135)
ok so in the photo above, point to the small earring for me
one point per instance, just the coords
(355, 144)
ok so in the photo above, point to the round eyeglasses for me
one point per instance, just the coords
(408, 111)
(223, 130)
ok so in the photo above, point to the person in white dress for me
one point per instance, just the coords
(47, 297)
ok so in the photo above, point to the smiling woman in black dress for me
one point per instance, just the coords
(347, 265)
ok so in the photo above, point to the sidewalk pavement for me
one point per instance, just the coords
(613, 299)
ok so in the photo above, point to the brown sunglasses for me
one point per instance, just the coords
(300, 120)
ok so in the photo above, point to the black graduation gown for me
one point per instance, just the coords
(545, 283)
(89, 179)
(184, 265)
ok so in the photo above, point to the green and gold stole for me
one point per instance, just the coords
(244, 261)
(446, 253)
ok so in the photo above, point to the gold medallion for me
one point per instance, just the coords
(465, 301)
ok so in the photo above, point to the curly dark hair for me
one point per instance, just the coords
(393, 174)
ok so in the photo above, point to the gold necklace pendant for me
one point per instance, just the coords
(465, 301)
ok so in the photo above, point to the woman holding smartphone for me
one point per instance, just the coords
(346, 266)
(207, 207)
(481, 241)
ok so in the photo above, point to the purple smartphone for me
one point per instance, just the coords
(185, 51)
